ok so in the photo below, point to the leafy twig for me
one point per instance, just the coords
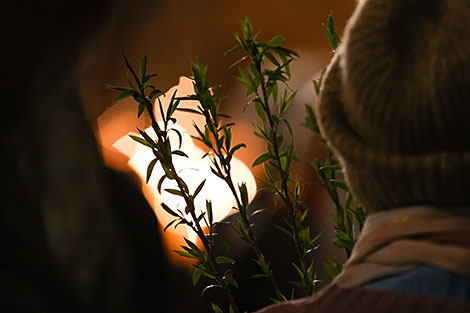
(263, 83)
(217, 136)
(347, 212)
(162, 149)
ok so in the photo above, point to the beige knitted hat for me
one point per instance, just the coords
(395, 103)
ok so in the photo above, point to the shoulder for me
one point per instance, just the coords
(422, 281)
(334, 299)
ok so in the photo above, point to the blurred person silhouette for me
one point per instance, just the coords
(74, 236)
(394, 107)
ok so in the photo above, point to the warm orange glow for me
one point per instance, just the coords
(193, 170)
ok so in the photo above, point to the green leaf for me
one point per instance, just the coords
(268, 173)
(246, 79)
(287, 102)
(160, 182)
(140, 109)
(283, 160)
(180, 137)
(168, 210)
(228, 277)
(205, 273)
(339, 184)
(344, 237)
(231, 281)
(173, 106)
(268, 188)
(216, 173)
(330, 167)
(123, 95)
(210, 215)
(196, 275)
(235, 148)
(238, 62)
(224, 259)
(317, 85)
(331, 23)
(272, 59)
(239, 40)
(330, 33)
(199, 188)
(298, 270)
(232, 50)
(243, 193)
(332, 268)
(285, 231)
(189, 110)
(150, 169)
(262, 158)
(193, 247)
(160, 107)
(289, 128)
(191, 97)
(290, 154)
(131, 84)
(147, 138)
(216, 308)
(148, 77)
(170, 223)
(143, 67)
(141, 141)
(260, 276)
(246, 27)
(155, 93)
(175, 192)
(275, 91)
(185, 254)
(228, 117)
(259, 109)
(180, 153)
(276, 42)
(117, 88)
(310, 120)
(200, 217)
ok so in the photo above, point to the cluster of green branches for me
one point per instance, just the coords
(209, 264)
(266, 77)
(348, 213)
(217, 137)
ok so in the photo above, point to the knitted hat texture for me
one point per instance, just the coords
(395, 103)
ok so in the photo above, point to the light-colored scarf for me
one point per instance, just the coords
(400, 240)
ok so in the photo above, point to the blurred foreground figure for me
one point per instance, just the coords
(395, 107)
(74, 236)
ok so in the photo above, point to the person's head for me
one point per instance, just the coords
(396, 102)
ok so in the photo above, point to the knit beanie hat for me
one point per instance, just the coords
(395, 104)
